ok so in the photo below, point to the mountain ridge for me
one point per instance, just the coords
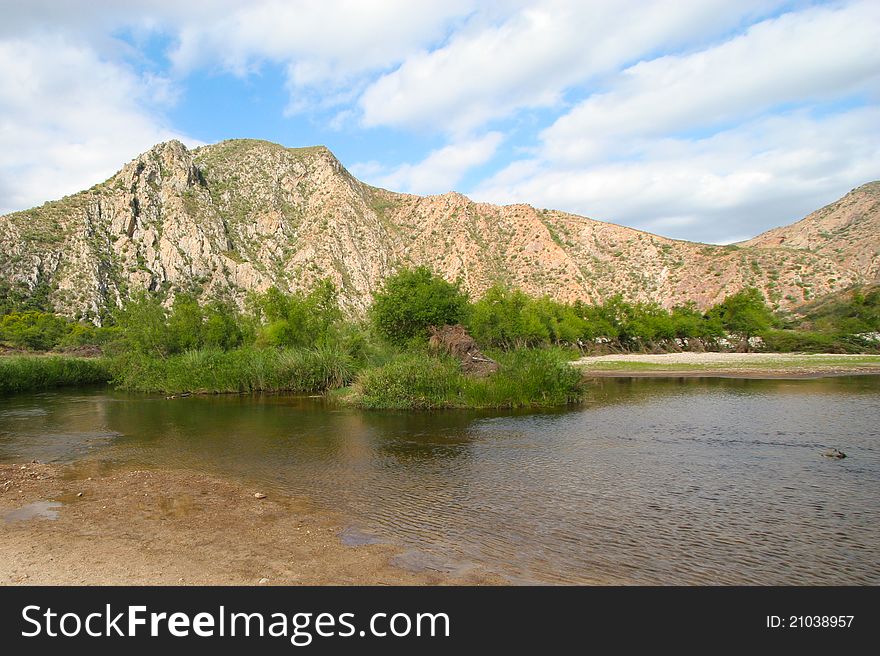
(224, 219)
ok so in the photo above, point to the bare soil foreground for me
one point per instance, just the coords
(735, 365)
(64, 526)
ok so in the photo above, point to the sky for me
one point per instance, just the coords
(705, 120)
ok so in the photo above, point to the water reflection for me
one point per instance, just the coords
(652, 481)
(36, 510)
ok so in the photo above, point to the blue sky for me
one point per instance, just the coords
(704, 120)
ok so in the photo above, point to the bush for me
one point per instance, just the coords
(411, 381)
(82, 334)
(528, 377)
(141, 323)
(35, 330)
(19, 297)
(299, 319)
(788, 341)
(222, 327)
(183, 329)
(855, 311)
(505, 318)
(414, 299)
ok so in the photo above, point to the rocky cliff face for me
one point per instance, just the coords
(242, 215)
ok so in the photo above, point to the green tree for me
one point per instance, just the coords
(31, 329)
(509, 318)
(745, 314)
(141, 322)
(222, 327)
(563, 324)
(599, 322)
(413, 299)
(300, 319)
(184, 324)
(689, 323)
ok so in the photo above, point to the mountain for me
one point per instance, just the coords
(847, 230)
(242, 215)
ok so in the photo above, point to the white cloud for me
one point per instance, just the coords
(530, 57)
(69, 119)
(722, 142)
(813, 55)
(661, 111)
(438, 172)
(326, 46)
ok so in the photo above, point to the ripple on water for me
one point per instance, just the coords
(352, 536)
(23, 413)
(651, 482)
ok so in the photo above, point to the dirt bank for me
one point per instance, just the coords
(178, 527)
(739, 365)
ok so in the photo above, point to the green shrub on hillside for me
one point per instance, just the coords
(854, 312)
(802, 341)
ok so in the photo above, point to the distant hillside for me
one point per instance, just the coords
(847, 230)
(242, 215)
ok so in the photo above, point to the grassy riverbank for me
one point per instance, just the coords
(729, 364)
(406, 380)
(396, 355)
(400, 380)
(37, 372)
(527, 377)
(215, 371)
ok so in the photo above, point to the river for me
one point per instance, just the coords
(650, 481)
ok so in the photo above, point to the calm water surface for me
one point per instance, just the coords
(652, 481)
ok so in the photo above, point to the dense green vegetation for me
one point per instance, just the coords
(302, 341)
(845, 322)
(246, 369)
(855, 311)
(527, 377)
(26, 373)
(414, 299)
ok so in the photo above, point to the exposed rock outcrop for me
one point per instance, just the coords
(241, 215)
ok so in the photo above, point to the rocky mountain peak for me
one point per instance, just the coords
(224, 219)
(169, 164)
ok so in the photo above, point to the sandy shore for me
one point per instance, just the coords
(744, 365)
(178, 527)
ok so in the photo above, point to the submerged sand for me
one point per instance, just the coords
(179, 528)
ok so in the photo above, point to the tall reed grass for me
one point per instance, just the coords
(36, 372)
(239, 370)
